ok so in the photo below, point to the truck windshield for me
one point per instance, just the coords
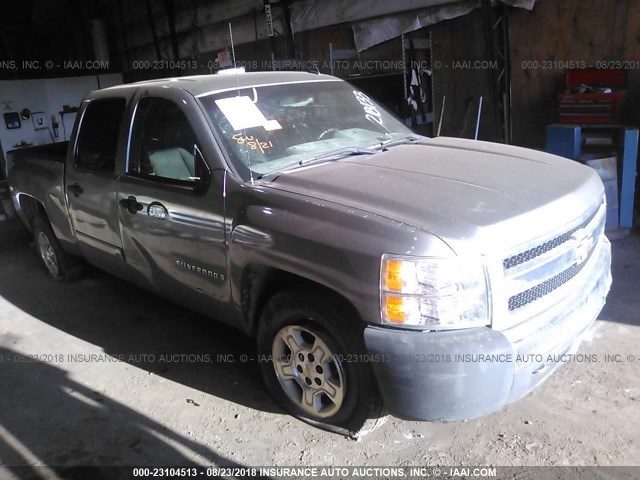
(271, 128)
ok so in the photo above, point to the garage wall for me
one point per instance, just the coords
(457, 45)
(563, 31)
(46, 96)
(191, 30)
(556, 30)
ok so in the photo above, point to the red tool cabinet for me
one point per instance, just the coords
(593, 107)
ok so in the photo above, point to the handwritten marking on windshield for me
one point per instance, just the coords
(371, 112)
(252, 143)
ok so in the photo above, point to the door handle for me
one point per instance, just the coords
(131, 204)
(76, 189)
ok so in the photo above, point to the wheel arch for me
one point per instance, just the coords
(260, 282)
(29, 209)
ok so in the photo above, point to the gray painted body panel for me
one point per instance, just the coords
(477, 197)
(329, 223)
(182, 256)
(336, 246)
(39, 176)
(204, 84)
(94, 213)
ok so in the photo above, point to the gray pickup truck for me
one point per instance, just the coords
(379, 271)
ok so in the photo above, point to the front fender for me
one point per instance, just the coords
(329, 244)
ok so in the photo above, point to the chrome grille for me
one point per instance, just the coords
(546, 287)
(545, 247)
(538, 271)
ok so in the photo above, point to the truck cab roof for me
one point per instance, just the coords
(199, 85)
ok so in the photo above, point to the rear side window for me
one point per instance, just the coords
(98, 137)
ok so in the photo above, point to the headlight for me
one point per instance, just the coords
(434, 293)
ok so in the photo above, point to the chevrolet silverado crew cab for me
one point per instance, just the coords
(378, 270)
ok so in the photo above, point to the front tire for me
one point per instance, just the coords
(317, 370)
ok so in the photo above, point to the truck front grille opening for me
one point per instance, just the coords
(593, 228)
(546, 287)
(545, 247)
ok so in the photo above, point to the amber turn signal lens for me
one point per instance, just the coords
(394, 309)
(393, 276)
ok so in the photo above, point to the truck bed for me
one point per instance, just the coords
(38, 172)
(53, 152)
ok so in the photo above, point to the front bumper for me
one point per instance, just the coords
(464, 374)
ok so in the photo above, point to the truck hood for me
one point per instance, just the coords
(478, 197)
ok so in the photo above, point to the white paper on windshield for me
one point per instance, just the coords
(241, 112)
(271, 125)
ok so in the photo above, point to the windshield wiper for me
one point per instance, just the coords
(340, 152)
(398, 141)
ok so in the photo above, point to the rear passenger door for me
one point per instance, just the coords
(171, 205)
(90, 179)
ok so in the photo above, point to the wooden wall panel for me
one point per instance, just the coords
(565, 30)
(555, 31)
(457, 45)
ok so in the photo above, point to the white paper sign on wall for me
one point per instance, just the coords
(223, 59)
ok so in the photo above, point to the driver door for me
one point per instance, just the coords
(171, 206)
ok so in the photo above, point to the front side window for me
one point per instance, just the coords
(164, 144)
(269, 128)
(98, 136)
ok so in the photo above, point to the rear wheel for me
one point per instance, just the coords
(59, 265)
(317, 369)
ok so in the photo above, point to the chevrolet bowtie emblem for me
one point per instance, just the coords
(583, 243)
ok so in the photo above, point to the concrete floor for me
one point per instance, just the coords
(69, 408)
